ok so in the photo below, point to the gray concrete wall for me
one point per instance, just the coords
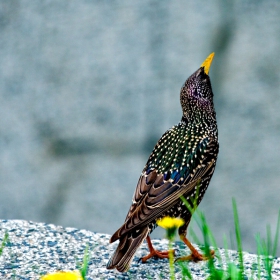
(87, 88)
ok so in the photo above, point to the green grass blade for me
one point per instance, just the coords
(232, 240)
(226, 248)
(194, 236)
(185, 271)
(84, 268)
(4, 242)
(274, 250)
(238, 237)
(268, 239)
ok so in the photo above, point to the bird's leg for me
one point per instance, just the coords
(154, 253)
(195, 255)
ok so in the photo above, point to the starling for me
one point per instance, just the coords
(181, 164)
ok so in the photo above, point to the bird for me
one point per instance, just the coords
(181, 164)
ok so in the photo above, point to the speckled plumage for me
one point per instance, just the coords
(183, 159)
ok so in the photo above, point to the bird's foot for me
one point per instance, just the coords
(157, 254)
(196, 257)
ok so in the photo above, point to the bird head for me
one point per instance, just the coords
(196, 94)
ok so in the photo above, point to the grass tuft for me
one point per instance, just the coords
(4, 242)
(84, 268)
(267, 249)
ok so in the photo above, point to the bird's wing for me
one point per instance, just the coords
(155, 194)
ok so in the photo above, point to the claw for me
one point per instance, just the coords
(154, 253)
(196, 257)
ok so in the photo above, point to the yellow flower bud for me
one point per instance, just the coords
(63, 275)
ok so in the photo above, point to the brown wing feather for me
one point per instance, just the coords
(126, 249)
(155, 202)
(153, 196)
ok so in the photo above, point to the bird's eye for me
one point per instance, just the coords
(204, 77)
(200, 72)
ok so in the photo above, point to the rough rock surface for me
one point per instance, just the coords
(35, 249)
(88, 87)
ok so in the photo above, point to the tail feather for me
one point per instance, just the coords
(126, 249)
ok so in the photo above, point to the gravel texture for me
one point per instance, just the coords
(34, 249)
(88, 87)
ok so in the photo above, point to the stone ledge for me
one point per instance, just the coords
(38, 248)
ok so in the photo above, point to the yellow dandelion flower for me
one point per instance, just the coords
(170, 225)
(63, 275)
(168, 222)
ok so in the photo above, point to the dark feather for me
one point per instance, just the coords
(151, 202)
(126, 249)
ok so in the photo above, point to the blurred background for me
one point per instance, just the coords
(88, 87)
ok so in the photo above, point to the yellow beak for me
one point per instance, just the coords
(207, 63)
